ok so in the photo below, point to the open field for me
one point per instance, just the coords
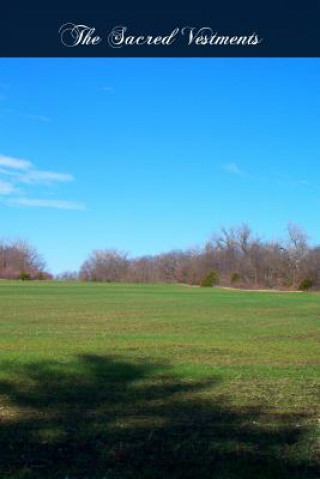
(157, 381)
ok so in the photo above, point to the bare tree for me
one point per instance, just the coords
(18, 259)
(296, 249)
(105, 265)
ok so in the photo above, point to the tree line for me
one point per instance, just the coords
(233, 257)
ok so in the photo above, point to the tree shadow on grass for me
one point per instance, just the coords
(101, 417)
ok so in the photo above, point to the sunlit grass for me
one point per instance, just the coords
(198, 354)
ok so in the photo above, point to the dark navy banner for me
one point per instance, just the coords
(205, 29)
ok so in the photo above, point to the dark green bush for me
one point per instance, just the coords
(235, 278)
(305, 284)
(23, 275)
(210, 279)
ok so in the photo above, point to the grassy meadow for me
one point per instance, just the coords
(157, 381)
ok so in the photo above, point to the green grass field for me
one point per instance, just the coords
(157, 381)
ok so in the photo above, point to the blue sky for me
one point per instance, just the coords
(148, 155)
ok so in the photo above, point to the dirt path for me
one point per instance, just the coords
(260, 290)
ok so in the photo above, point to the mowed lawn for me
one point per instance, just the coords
(157, 381)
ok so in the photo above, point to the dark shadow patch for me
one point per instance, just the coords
(101, 417)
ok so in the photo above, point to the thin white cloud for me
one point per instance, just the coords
(11, 173)
(18, 171)
(23, 171)
(233, 169)
(42, 203)
(39, 176)
(15, 163)
(107, 88)
(7, 188)
(30, 116)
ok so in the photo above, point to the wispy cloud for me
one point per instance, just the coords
(20, 173)
(38, 176)
(33, 116)
(28, 115)
(43, 203)
(7, 188)
(23, 171)
(233, 169)
(280, 180)
(107, 89)
(15, 163)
